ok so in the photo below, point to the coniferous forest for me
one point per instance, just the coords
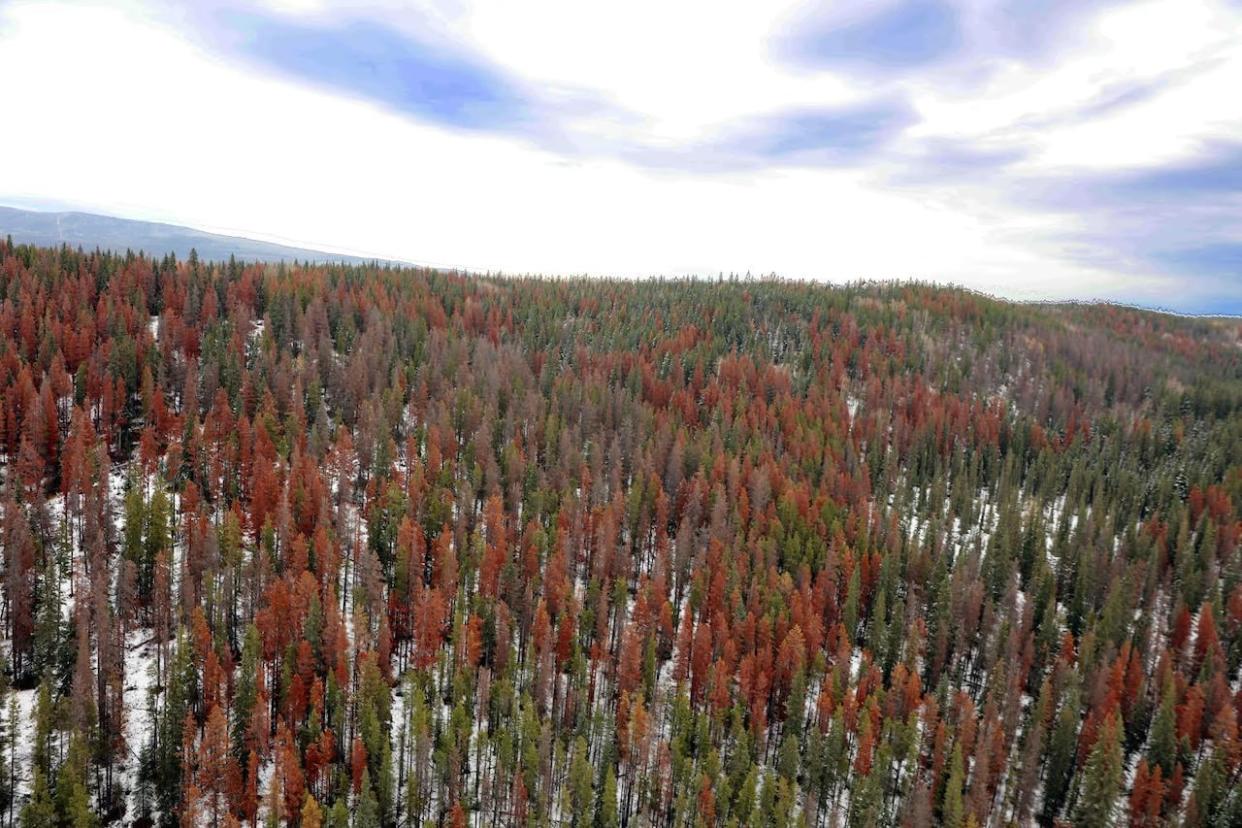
(331, 546)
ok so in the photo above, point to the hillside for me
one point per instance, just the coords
(90, 231)
(355, 545)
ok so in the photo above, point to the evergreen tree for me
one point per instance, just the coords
(40, 809)
(1062, 749)
(246, 692)
(606, 812)
(339, 816)
(866, 806)
(368, 809)
(581, 810)
(73, 801)
(1162, 741)
(1208, 797)
(312, 815)
(953, 810)
(1102, 778)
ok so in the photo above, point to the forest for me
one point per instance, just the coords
(348, 546)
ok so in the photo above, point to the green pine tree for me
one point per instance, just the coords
(1061, 751)
(338, 817)
(246, 691)
(579, 789)
(73, 799)
(953, 810)
(606, 814)
(1208, 798)
(40, 810)
(788, 759)
(1162, 743)
(866, 806)
(1102, 778)
(368, 810)
(850, 612)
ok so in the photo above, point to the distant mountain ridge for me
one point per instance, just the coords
(90, 231)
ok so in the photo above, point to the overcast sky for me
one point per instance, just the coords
(1052, 149)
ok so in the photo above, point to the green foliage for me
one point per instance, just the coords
(1101, 780)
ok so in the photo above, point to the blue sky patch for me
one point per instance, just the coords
(829, 134)
(371, 61)
(908, 34)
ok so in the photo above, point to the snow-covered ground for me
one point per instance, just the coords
(139, 681)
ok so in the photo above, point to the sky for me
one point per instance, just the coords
(1034, 149)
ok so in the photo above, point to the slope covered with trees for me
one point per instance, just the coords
(360, 546)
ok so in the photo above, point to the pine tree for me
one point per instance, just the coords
(158, 538)
(246, 692)
(1207, 798)
(50, 629)
(606, 813)
(579, 787)
(1062, 748)
(866, 806)
(1102, 778)
(41, 752)
(135, 512)
(850, 613)
(166, 764)
(73, 800)
(368, 810)
(312, 815)
(745, 801)
(40, 810)
(1162, 741)
(217, 769)
(275, 803)
(789, 758)
(953, 810)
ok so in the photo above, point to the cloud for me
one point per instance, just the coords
(437, 82)
(1030, 31)
(826, 137)
(1210, 179)
(939, 161)
(1116, 97)
(826, 134)
(1216, 270)
(1113, 98)
(418, 70)
(972, 41)
(906, 34)
(1179, 225)
(1217, 173)
(1216, 259)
